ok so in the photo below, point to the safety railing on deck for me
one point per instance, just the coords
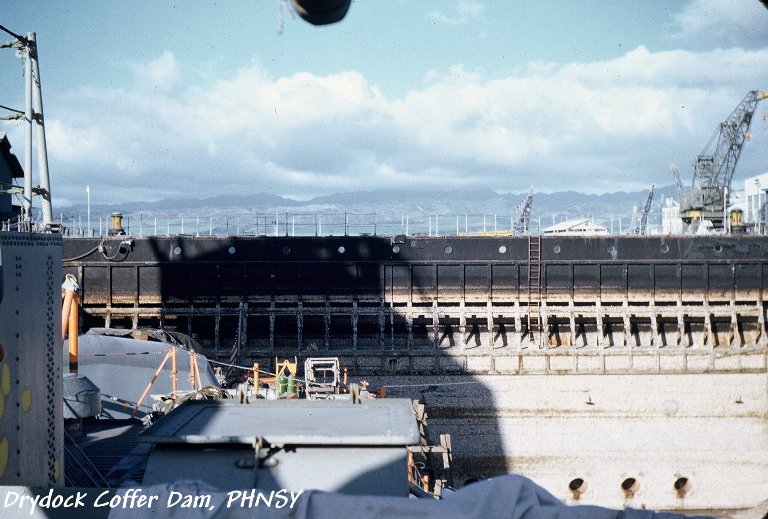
(284, 223)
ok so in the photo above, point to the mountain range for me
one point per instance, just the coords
(420, 208)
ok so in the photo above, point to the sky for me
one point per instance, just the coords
(157, 99)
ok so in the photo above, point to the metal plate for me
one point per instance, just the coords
(296, 422)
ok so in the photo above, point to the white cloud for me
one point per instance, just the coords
(737, 22)
(161, 74)
(608, 125)
(465, 13)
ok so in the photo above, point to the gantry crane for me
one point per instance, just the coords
(523, 213)
(642, 222)
(713, 169)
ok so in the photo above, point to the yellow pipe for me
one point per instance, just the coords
(65, 310)
(74, 347)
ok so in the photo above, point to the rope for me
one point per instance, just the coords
(300, 380)
(238, 367)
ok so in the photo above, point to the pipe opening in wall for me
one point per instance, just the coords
(556, 249)
(630, 486)
(448, 249)
(577, 486)
(286, 250)
(665, 248)
(395, 249)
(682, 486)
(341, 249)
(502, 249)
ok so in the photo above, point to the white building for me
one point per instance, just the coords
(579, 226)
(671, 223)
(755, 194)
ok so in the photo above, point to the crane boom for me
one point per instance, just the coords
(646, 211)
(523, 213)
(713, 169)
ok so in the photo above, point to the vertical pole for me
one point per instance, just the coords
(27, 200)
(174, 374)
(88, 196)
(42, 151)
(192, 369)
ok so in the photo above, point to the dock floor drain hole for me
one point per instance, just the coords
(630, 486)
(577, 487)
(682, 486)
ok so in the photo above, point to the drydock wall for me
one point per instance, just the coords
(403, 305)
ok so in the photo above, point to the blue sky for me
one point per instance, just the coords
(156, 99)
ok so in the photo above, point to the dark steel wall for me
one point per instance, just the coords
(185, 269)
(426, 294)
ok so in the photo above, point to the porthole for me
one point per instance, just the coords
(341, 249)
(286, 250)
(503, 249)
(718, 248)
(396, 249)
(177, 250)
(231, 250)
(448, 249)
(611, 250)
(665, 248)
(556, 249)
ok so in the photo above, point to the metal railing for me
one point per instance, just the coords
(284, 223)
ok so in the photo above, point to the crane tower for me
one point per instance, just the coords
(714, 167)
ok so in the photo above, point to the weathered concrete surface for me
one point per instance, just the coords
(709, 428)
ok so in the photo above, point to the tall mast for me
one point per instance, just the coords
(35, 132)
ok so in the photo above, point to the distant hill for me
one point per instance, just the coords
(421, 209)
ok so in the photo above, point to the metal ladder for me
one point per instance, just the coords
(534, 289)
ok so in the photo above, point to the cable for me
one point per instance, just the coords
(83, 255)
(20, 38)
